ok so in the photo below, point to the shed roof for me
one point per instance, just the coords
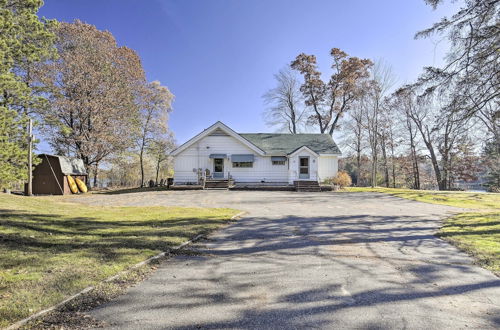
(69, 165)
(284, 144)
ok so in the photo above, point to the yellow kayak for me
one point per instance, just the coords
(72, 185)
(81, 185)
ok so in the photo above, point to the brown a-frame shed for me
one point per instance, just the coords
(50, 176)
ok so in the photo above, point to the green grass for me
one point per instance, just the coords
(451, 198)
(50, 249)
(477, 232)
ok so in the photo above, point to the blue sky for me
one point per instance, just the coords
(218, 56)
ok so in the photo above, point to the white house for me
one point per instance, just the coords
(256, 157)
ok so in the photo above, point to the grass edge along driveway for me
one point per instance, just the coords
(477, 233)
(50, 249)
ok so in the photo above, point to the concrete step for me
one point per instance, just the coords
(307, 186)
(217, 184)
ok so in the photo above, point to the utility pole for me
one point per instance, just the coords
(30, 160)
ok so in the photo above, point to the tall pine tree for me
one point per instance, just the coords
(24, 41)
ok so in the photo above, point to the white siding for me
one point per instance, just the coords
(183, 169)
(262, 170)
(327, 167)
(197, 156)
(293, 173)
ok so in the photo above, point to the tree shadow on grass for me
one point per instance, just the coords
(108, 240)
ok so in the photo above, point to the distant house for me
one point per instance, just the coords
(50, 176)
(255, 157)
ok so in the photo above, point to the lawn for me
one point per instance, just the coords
(476, 232)
(50, 249)
(451, 198)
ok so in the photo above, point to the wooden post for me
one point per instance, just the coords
(30, 160)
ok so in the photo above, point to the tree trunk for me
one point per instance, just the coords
(142, 168)
(416, 172)
(88, 168)
(374, 146)
(358, 166)
(293, 120)
(426, 136)
(95, 174)
(386, 166)
(374, 143)
(318, 114)
(445, 173)
(141, 161)
(439, 178)
(393, 173)
(413, 155)
(393, 162)
(450, 173)
(157, 171)
(374, 170)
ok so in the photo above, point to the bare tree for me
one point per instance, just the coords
(489, 116)
(331, 100)
(286, 107)
(159, 149)
(382, 80)
(354, 130)
(404, 103)
(388, 142)
(155, 103)
(439, 129)
(91, 92)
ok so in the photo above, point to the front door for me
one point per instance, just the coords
(303, 167)
(218, 167)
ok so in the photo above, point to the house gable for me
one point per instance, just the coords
(218, 129)
(303, 148)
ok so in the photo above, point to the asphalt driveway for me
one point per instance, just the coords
(310, 260)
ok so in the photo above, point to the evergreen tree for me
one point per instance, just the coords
(13, 155)
(24, 41)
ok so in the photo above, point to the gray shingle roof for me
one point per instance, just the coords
(283, 144)
(72, 166)
(69, 166)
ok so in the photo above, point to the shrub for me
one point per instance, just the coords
(342, 179)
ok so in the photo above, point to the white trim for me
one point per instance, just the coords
(210, 129)
(303, 148)
(329, 155)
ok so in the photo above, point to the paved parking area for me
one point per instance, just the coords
(310, 260)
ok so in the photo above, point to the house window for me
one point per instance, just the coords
(242, 164)
(304, 165)
(278, 160)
